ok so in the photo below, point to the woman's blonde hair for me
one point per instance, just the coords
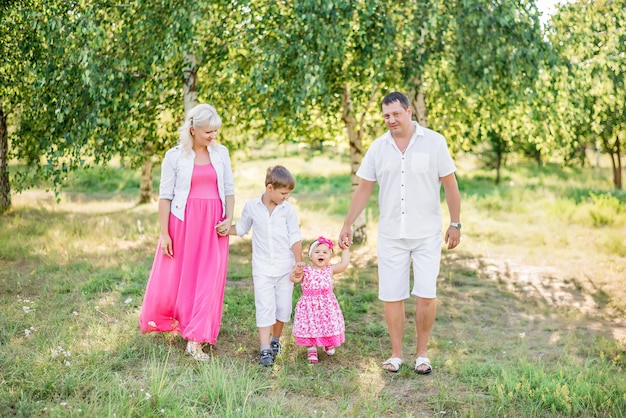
(202, 115)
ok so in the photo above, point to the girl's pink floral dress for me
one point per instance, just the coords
(318, 320)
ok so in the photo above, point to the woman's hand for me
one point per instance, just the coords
(166, 246)
(223, 227)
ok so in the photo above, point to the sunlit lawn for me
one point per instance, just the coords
(530, 312)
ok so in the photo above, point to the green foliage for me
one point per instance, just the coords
(89, 82)
(589, 36)
(605, 208)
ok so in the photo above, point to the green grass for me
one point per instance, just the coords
(529, 322)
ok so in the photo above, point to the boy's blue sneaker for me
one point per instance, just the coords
(276, 347)
(266, 358)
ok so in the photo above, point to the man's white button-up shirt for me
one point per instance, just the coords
(409, 185)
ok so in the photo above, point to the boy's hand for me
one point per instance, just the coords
(299, 268)
(297, 272)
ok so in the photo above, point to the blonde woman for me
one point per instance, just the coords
(185, 291)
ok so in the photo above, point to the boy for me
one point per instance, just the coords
(276, 247)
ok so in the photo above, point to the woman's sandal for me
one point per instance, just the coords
(312, 356)
(195, 349)
(423, 361)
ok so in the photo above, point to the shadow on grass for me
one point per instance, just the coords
(92, 263)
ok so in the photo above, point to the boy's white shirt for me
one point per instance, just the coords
(273, 236)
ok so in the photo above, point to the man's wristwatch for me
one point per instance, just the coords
(457, 225)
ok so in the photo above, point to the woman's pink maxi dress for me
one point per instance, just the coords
(185, 293)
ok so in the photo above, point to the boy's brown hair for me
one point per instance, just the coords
(279, 177)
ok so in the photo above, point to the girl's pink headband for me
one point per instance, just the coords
(320, 240)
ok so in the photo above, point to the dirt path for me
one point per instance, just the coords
(563, 284)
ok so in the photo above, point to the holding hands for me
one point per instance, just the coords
(297, 272)
(223, 227)
(345, 238)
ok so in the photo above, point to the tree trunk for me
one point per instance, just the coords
(614, 151)
(5, 187)
(190, 69)
(418, 103)
(145, 185)
(618, 175)
(498, 165)
(190, 97)
(420, 111)
(617, 164)
(356, 156)
(538, 159)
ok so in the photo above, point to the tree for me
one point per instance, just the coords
(314, 60)
(591, 37)
(483, 72)
(17, 46)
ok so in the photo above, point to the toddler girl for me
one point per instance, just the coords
(318, 320)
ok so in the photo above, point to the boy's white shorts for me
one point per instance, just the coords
(394, 262)
(272, 299)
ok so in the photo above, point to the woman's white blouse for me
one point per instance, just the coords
(176, 171)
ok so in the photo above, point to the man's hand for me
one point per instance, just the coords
(453, 237)
(345, 238)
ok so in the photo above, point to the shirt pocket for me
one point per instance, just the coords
(420, 162)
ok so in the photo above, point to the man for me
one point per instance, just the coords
(409, 163)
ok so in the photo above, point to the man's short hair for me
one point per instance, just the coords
(396, 96)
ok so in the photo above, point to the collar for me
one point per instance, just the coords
(419, 131)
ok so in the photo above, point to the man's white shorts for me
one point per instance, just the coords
(272, 299)
(394, 263)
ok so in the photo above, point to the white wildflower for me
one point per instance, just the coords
(61, 351)
(75, 313)
(26, 309)
(127, 301)
(522, 334)
(63, 404)
(148, 396)
(67, 363)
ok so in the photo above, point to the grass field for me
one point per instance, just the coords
(530, 319)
